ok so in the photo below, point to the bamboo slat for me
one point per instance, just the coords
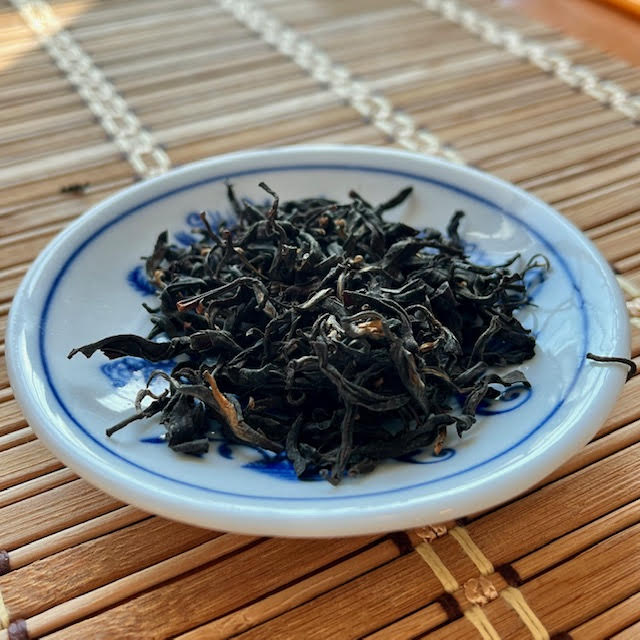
(24, 462)
(20, 436)
(116, 11)
(558, 508)
(9, 279)
(589, 180)
(53, 510)
(625, 221)
(36, 485)
(626, 409)
(144, 579)
(97, 562)
(10, 417)
(600, 448)
(556, 134)
(166, 609)
(422, 621)
(117, 171)
(387, 593)
(81, 564)
(23, 220)
(619, 244)
(74, 535)
(493, 103)
(629, 633)
(603, 205)
(295, 595)
(577, 541)
(611, 621)
(54, 204)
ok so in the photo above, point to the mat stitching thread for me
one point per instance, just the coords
(541, 55)
(479, 620)
(400, 126)
(440, 570)
(474, 552)
(121, 124)
(474, 614)
(514, 597)
(4, 613)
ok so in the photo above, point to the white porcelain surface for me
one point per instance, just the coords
(83, 287)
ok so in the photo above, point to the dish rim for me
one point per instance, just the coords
(130, 492)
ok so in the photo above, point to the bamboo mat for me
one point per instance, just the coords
(200, 78)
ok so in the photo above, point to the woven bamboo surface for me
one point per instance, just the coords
(561, 561)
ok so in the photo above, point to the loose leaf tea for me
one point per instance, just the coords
(633, 369)
(326, 332)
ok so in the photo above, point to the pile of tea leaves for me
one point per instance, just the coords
(323, 331)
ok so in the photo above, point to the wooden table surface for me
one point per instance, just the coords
(603, 25)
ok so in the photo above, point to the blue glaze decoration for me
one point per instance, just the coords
(184, 238)
(278, 466)
(214, 218)
(533, 280)
(512, 398)
(154, 440)
(138, 280)
(194, 221)
(120, 372)
(225, 451)
(549, 250)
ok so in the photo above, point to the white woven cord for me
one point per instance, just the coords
(541, 55)
(143, 153)
(397, 125)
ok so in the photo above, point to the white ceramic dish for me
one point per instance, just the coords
(85, 286)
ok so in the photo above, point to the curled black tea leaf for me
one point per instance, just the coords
(633, 369)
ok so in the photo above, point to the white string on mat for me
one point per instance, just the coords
(143, 153)
(397, 125)
(539, 54)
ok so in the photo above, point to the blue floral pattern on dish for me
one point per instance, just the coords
(184, 238)
(138, 280)
(277, 466)
(122, 371)
(214, 218)
(509, 400)
(533, 280)
(154, 440)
